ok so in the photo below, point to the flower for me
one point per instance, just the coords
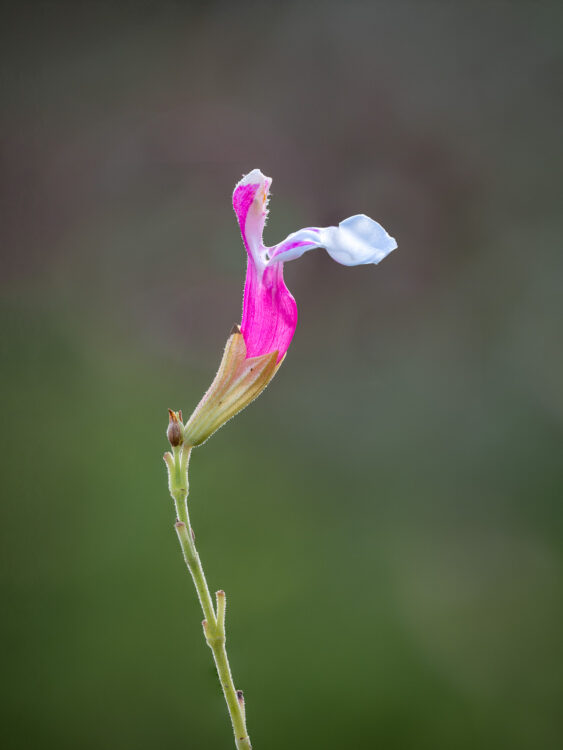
(256, 349)
(269, 315)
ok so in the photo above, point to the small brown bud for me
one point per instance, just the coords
(175, 431)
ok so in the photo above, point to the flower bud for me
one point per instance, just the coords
(175, 431)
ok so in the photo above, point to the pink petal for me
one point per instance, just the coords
(250, 202)
(269, 313)
(243, 197)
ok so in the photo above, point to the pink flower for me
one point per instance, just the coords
(269, 316)
(255, 350)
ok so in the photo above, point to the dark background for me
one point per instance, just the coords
(386, 520)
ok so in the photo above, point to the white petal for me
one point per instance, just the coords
(295, 245)
(357, 240)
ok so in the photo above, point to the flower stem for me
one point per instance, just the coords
(214, 622)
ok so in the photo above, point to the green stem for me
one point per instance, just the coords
(214, 623)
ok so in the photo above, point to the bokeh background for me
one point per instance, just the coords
(386, 520)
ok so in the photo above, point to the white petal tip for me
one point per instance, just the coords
(255, 177)
(358, 240)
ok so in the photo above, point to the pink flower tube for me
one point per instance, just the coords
(255, 350)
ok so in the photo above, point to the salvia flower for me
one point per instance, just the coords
(256, 349)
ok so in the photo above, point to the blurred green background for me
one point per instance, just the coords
(386, 520)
